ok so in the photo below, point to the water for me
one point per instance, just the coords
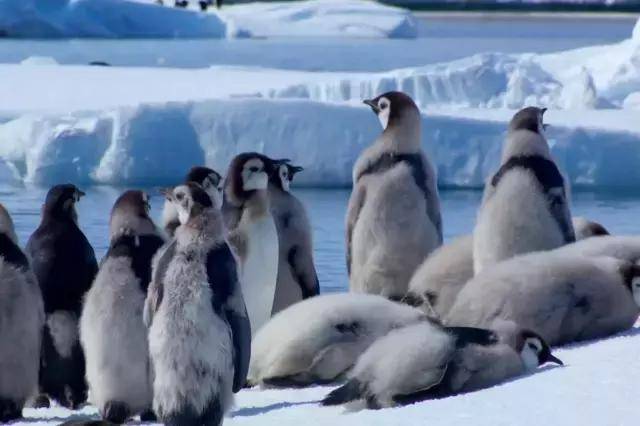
(327, 208)
(441, 38)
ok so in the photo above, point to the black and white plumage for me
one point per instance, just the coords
(210, 180)
(525, 206)
(197, 318)
(65, 265)
(252, 232)
(393, 220)
(563, 295)
(21, 324)
(112, 332)
(318, 340)
(297, 278)
(425, 361)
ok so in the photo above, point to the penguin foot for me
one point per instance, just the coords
(9, 411)
(148, 416)
(115, 412)
(42, 401)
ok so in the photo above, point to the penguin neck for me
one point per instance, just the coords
(257, 204)
(202, 229)
(525, 143)
(57, 214)
(401, 138)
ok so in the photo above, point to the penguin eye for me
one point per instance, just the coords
(383, 104)
(179, 196)
(253, 169)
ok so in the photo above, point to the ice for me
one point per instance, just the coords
(145, 18)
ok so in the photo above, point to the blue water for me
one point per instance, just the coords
(618, 212)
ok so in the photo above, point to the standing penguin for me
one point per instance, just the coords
(393, 219)
(208, 179)
(438, 362)
(252, 232)
(65, 265)
(21, 322)
(297, 278)
(112, 333)
(525, 206)
(199, 332)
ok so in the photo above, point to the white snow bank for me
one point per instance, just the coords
(155, 143)
(103, 18)
(321, 18)
(145, 18)
(597, 386)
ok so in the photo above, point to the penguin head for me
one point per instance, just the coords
(534, 351)
(631, 276)
(529, 118)
(394, 109)
(585, 228)
(61, 201)
(190, 200)
(283, 174)
(210, 180)
(130, 215)
(6, 225)
(248, 172)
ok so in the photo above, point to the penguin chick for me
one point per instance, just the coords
(21, 324)
(525, 206)
(112, 333)
(208, 179)
(563, 297)
(393, 219)
(319, 339)
(297, 278)
(197, 317)
(252, 232)
(65, 265)
(424, 361)
(585, 228)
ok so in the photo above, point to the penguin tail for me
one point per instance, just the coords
(350, 391)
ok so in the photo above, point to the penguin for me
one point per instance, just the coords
(199, 331)
(438, 362)
(21, 324)
(437, 282)
(439, 279)
(211, 182)
(625, 247)
(65, 265)
(112, 333)
(297, 278)
(585, 228)
(393, 219)
(317, 340)
(252, 232)
(525, 206)
(563, 297)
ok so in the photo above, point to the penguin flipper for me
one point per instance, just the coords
(350, 391)
(222, 275)
(358, 197)
(304, 272)
(472, 335)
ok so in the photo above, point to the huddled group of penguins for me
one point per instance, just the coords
(174, 321)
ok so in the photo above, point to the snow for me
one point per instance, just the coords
(597, 384)
(145, 18)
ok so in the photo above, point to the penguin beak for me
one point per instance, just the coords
(543, 110)
(372, 104)
(553, 359)
(296, 169)
(79, 194)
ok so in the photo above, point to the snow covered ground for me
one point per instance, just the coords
(145, 18)
(597, 386)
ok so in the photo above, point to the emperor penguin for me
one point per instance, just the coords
(65, 265)
(21, 324)
(297, 278)
(393, 219)
(337, 329)
(208, 179)
(563, 297)
(585, 228)
(525, 206)
(252, 232)
(199, 332)
(438, 362)
(112, 333)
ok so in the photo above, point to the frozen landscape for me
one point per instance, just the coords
(288, 80)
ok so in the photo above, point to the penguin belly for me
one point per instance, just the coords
(259, 273)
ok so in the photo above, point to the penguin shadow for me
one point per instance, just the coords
(254, 411)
